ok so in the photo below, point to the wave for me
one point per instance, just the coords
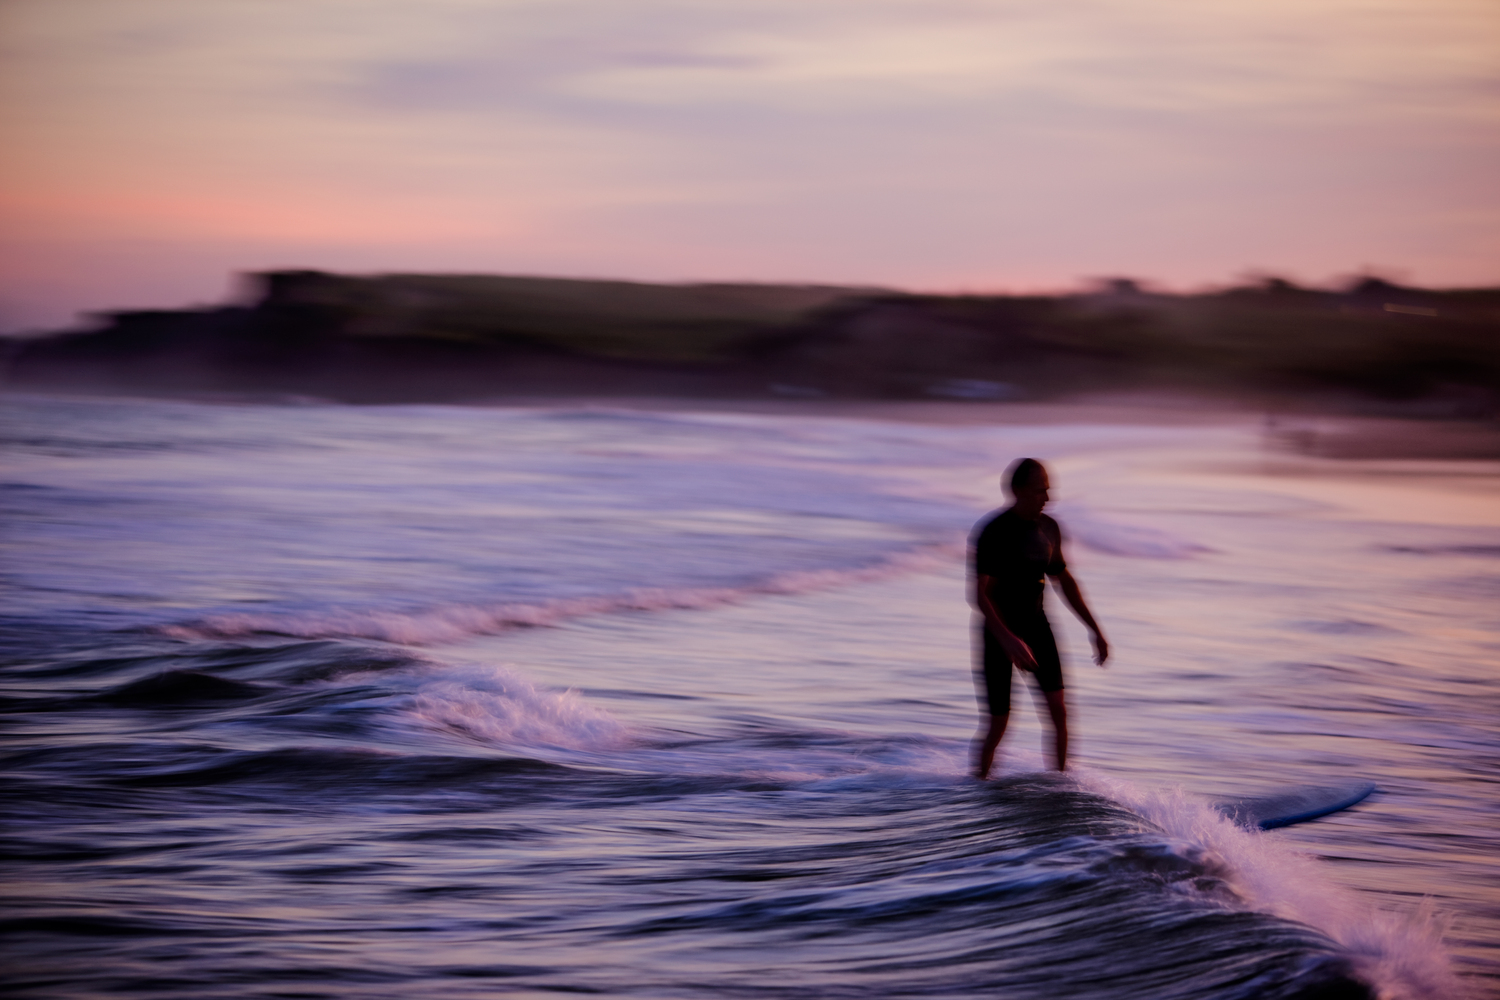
(181, 688)
(297, 774)
(1204, 853)
(1401, 954)
(494, 706)
(457, 622)
(1031, 839)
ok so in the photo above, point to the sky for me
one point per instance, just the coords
(151, 150)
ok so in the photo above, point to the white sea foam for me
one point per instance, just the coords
(450, 624)
(1400, 954)
(497, 707)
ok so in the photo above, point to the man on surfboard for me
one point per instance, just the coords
(1012, 552)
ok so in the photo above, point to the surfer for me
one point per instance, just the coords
(1012, 551)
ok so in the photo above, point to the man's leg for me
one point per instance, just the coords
(1058, 708)
(994, 683)
(992, 737)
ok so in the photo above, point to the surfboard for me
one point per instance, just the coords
(1297, 804)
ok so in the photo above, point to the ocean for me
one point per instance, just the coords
(312, 700)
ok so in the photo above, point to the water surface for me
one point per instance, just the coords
(336, 701)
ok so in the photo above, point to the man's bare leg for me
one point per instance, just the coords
(992, 737)
(1057, 707)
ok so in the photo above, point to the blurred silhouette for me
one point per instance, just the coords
(1013, 551)
(448, 338)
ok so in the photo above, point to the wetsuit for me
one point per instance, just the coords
(1018, 554)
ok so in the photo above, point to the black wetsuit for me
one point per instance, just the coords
(1017, 554)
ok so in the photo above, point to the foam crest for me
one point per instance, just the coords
(1400, 954)
(454, 623)
(497, 707)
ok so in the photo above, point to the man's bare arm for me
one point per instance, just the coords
(1074, 596)
(1020, 653)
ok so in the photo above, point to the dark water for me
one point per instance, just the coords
(319, 701)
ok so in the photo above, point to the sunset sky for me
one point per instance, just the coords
(153, 148)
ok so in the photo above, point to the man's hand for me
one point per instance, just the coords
(1073, 594)
(1020, 653)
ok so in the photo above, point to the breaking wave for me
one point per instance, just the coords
(450, 624)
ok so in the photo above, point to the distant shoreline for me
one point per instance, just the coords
(1374, 349)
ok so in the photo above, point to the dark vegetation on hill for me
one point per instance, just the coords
(451, 338)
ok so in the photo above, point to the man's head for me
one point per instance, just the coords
(1029, 485)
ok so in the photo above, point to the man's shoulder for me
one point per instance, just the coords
(994, 520)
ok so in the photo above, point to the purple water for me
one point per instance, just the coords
(449, 702)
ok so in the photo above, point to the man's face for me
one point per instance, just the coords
(1032, 495)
